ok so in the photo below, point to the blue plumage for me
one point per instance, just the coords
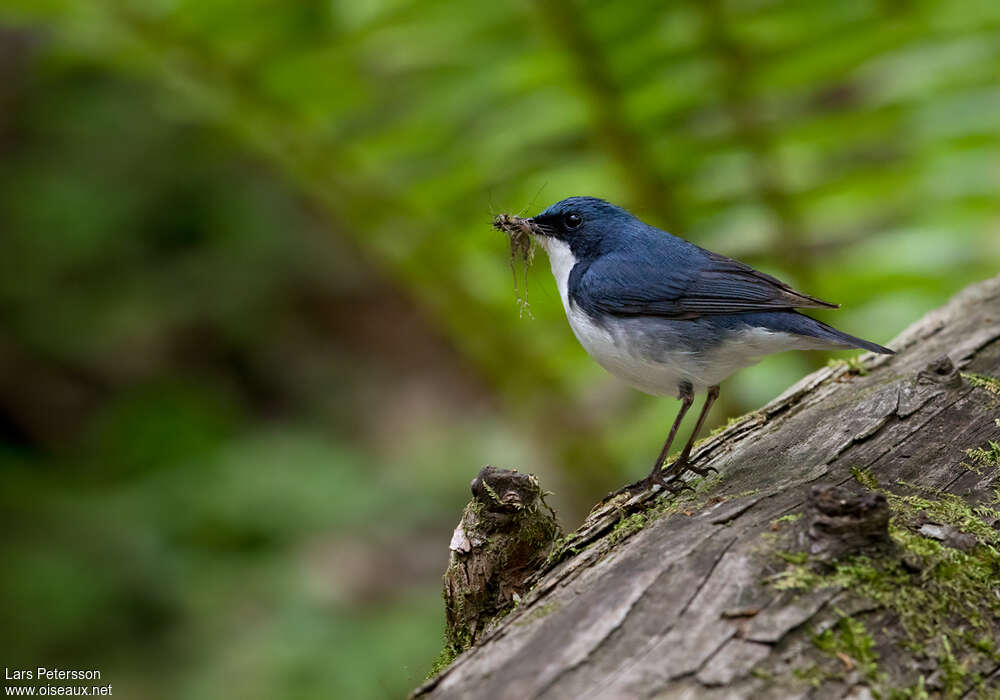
(665, 315)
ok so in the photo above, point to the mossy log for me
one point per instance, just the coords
(848, 547)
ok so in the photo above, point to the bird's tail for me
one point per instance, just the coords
(821, 330)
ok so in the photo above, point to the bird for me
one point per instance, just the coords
(666, 316)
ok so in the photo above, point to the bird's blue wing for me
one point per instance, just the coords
(686, 284)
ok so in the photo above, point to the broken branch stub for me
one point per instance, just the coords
(505, 534)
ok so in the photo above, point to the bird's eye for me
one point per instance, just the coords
(572, 221)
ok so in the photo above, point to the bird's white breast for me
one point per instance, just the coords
(611, 350)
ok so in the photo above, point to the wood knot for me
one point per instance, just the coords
(941, 370)
(842, 523)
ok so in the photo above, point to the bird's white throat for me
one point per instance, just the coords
(562, 260)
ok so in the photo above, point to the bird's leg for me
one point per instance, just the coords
(681, 464)
(656, 474)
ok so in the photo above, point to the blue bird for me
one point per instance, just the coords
(666, 316)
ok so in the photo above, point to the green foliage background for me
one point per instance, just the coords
(256, 334)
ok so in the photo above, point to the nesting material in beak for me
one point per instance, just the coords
(522, 250)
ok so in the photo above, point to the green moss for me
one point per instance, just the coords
(946, 600)
(983, 381)
(812, 675)
(954, 673)
(865, 478)
(949, 606)
(854, 366)
(985, 457)
(538, 529)
(794, 557)
(948, 509)
(850, 638)
(626, 527)
(918, 691)
(788, 518)
(563, 547)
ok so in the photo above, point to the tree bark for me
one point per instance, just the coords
(759, 583)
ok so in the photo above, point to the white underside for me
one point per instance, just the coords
(663, 375)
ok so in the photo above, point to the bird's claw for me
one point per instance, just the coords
(701, 472)
(676, 485)
(672, 484)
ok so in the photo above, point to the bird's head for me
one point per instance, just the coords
(588, 225)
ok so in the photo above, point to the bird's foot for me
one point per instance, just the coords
(679, 467)
(700, 472)
(668, 481)
(674, 485)
(670, 478)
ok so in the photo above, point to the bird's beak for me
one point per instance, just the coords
(510, 224)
